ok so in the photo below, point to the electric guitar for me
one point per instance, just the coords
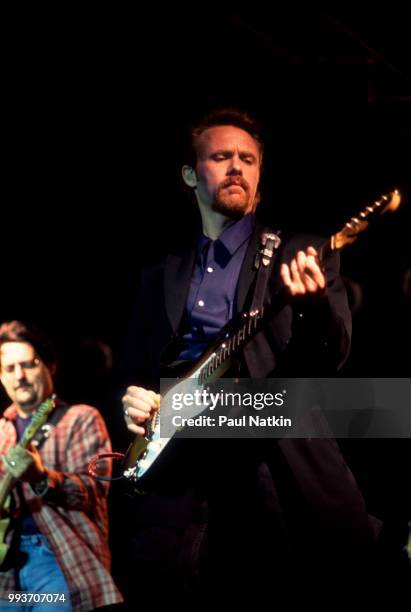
(146, 449)
(7, 482)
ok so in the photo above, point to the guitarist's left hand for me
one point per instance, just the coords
(25, 465)
(304, 275)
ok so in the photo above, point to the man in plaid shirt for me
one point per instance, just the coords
(59, 533)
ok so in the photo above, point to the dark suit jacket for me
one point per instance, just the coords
(282, 501)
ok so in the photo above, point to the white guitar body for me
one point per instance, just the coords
(153, 444)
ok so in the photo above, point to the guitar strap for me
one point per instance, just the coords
(269, 243)
(45, 431)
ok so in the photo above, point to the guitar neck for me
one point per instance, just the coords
(220, 360)
(326, 249)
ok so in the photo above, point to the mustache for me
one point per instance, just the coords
(237, 180)
(23, 386)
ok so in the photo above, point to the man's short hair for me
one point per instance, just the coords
(16, 331)
(222, 116)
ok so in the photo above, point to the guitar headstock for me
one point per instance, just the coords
(349, 233)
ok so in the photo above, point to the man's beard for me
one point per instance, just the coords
(233, 206)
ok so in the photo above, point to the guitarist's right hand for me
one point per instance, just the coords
(138, 406)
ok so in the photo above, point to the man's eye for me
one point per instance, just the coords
(219, 157)
(29, 365)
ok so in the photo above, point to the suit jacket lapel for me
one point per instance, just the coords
(177, 276)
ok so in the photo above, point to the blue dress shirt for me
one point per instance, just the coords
(211, 299)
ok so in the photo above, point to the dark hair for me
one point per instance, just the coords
(222, 116)
(16, 331)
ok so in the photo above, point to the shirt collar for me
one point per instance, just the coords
(234, 235)
(11, 413)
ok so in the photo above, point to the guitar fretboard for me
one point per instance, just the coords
(231, 345)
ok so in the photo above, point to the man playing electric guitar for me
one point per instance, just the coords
(244, 516)
(59, 525)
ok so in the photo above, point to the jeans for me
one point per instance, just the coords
(40, 574)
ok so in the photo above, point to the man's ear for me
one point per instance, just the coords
(189, 176)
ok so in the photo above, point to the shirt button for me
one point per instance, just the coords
(210, 269)
(200, 302)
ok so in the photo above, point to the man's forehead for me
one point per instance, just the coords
(226, 137)
(11, 352)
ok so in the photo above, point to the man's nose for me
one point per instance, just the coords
(234, 167)
(19, 372)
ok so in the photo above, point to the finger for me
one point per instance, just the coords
(136, 429)
(137, 415)
(310, 285)
(301, 260)
(145, 395)
(311, 251)
(132, 390)
(156, 399)
(315, 272)
(298, 285)
(305, 273)
(137, 403)
(285, 275)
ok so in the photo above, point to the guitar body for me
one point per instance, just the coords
(145, 450)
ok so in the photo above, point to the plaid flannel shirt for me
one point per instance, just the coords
(73, 512)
